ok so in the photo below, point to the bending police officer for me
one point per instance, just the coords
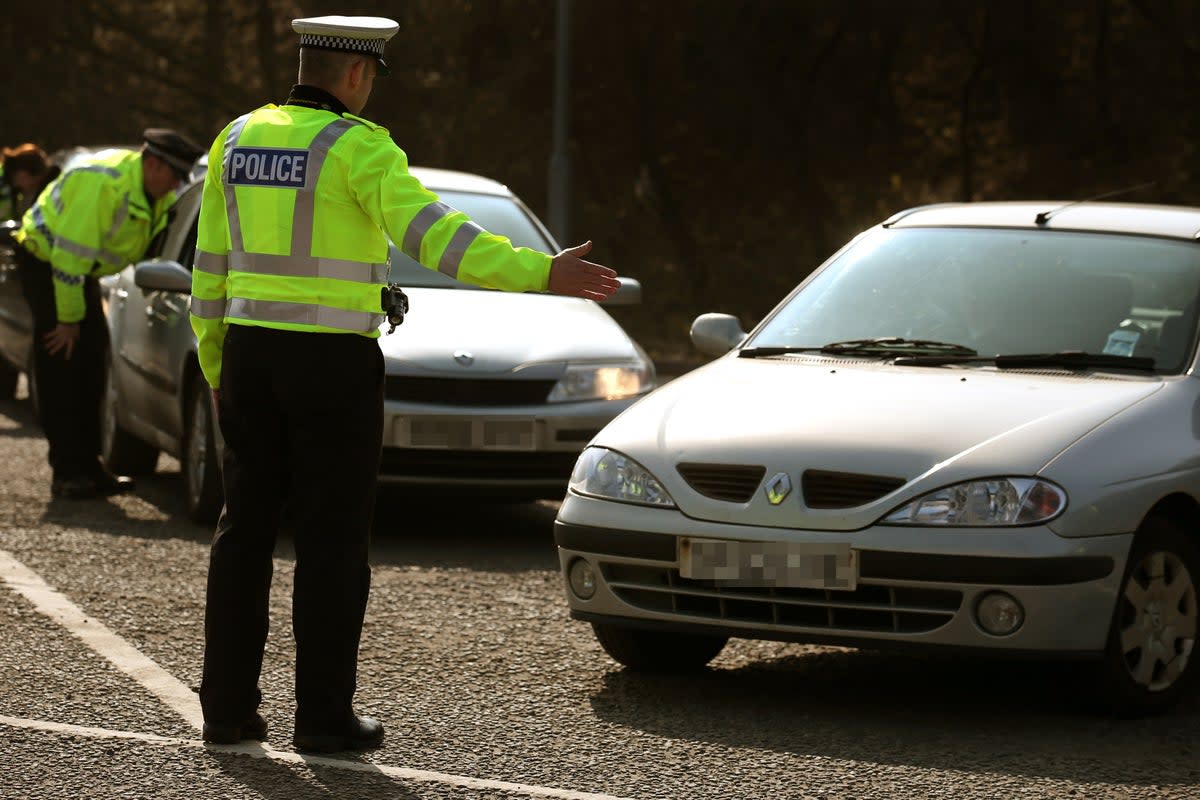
(93, 220)
(291, 262)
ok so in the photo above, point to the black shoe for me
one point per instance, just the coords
(252, 727)
(362, 733)
(108, 484)
(73, 488)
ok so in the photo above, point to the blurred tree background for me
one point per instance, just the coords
(721, 149)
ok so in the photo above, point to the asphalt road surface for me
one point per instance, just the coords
(486, 687)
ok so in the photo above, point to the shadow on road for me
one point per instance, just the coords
(946, 713)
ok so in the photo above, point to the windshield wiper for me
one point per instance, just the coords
(1070, 359)
(883, 346)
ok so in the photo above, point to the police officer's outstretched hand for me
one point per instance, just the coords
(571, 275)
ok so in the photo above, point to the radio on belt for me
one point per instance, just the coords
(395, 304)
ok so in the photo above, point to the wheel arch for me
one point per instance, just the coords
(1181, 508)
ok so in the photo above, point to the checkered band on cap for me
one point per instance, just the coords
(373, 47)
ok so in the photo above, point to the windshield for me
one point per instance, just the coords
(1002, 292)
(499, 215)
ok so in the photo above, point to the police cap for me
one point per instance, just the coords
(172, 147)
(366, 35)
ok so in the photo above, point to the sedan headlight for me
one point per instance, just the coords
(605, 473)
(995, 501)
(602, 382)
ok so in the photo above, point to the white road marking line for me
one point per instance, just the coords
(184, 701)
(267, 752)
(124, 656)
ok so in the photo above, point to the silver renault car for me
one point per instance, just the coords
(975, 426)
(487, 392)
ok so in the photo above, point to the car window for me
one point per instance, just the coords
(500, 215)
(1003, 291)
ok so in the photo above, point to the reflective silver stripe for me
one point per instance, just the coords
(211, 263)
(109, 257)
(109, 171)
(306, 198)
(56, 195)
(311, 267)
(39, 222)
(208, 309)
(453, 256)
(66, 277)
(425, 219)
(231, 210)
(303, 314)
(119, 217)
(76, 249)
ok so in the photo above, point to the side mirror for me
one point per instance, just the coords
(162, 276)
(716, 334)
(630, 294)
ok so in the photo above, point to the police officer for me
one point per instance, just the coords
(24, 172)
(287, 299)
(95, 219)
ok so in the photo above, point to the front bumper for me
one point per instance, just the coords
(916, 586)
(525, 450)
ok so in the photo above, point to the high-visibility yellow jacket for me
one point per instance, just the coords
(297, 210)
(94, 219)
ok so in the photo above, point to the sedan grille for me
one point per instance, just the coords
(467, 391)
(733, 483)
(844, 489)
(869, 608)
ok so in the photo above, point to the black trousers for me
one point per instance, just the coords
(69, 390)
(302, 417)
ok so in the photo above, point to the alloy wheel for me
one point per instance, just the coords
(1158, 620)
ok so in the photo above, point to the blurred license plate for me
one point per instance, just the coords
(800, 565)
(465, 434)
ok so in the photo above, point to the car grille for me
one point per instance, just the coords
(844, 489)
(476, 464)
(734, 483)
(467, 391)
(869, 608)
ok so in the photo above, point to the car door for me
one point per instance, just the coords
(150, 325)
(16, 321)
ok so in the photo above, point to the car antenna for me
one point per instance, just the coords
(1044, 216)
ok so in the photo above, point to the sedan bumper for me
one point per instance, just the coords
(914, 586)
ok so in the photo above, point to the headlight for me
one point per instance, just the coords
(995, 501)
(602, 382)
(612, 476)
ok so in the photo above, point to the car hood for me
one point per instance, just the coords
(927, 426)
(499, 332)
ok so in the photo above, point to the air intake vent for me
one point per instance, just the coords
(733, 483)
(468, 391)
(844, 489)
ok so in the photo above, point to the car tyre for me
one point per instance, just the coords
(1150, 658)
(122, 452)
(658, 651)
(9, 376)
(201, 471)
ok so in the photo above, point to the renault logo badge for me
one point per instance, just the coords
(778, 488)
(464, 358)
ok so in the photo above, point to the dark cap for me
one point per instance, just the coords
(172, 147)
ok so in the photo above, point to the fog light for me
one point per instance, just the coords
(582, 578)
(999, 613)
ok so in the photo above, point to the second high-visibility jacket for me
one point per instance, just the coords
(94, 219)
(297, 210)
